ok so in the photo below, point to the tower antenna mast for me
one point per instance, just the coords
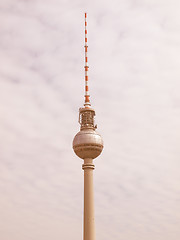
(87, 101)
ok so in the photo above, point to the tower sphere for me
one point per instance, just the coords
(87, 143)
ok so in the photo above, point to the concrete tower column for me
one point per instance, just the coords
(89, 222)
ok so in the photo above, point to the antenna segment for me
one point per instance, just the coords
(87, 101)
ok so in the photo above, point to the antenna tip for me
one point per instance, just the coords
(85, 14)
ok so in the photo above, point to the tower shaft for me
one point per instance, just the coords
(88, 145)
(89, 222)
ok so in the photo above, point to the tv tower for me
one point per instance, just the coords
(87, 144)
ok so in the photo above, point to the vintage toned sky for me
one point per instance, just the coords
(134, 58)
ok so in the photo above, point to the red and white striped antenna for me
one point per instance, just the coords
(87, 101)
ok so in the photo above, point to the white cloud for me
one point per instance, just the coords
(134, 85)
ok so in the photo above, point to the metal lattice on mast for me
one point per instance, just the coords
(87, 101)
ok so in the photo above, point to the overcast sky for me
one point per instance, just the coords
(134, 78)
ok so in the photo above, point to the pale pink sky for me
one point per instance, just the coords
(134, 57)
